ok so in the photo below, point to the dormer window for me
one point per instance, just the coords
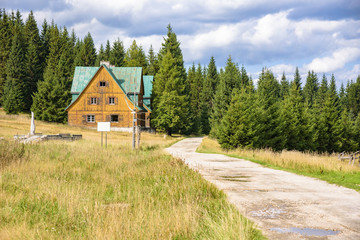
(102, 84)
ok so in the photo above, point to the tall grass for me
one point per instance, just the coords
(78, 190)
(322, 166)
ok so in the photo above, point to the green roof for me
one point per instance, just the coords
(82, 77)
(129, 78)
(148, 82)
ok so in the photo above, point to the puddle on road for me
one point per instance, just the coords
(306, 231)
(235, 178)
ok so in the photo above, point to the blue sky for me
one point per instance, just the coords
(321, 35)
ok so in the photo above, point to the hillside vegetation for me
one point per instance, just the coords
(72, 190)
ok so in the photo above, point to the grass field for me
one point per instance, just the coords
(325, 167)
(78, 190)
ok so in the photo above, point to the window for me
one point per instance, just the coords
(111, 100)
(90, 118)
(102, 83)
(93, 101)
(114, 118)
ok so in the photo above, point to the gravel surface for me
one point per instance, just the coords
(283, 205)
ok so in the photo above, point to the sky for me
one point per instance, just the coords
(321, 35)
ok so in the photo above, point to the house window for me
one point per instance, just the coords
(111, 100)
(90, 118)
(102, 83)
(114, 118)
(93, 101)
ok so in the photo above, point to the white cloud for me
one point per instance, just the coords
(336, 61)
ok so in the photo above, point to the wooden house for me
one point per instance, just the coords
(108, 94)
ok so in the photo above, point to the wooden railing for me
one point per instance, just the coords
(352, 157)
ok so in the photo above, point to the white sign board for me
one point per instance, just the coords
(103, 127)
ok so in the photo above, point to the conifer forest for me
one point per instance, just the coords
(309, 114)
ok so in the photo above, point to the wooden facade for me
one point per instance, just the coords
(105, 100)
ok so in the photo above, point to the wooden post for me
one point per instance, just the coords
(101, 139)
(138, 135)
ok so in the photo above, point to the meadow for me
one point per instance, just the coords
(326, 167)
(80, 190)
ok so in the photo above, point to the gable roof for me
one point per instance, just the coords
(127, 78)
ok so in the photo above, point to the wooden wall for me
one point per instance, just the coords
(102, 110)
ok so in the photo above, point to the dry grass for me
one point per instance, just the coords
(72, 190)
(323, 166)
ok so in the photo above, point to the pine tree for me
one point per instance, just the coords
(322, 92)
(13, 97)
(195, 81)
(244, 78)
(293, 124)
(207, 96)
(5, 47)
(344, 133)
(229, 80)
(153, 63)
(117, 54)
(170, 104)
(284, 86)
(44, 46)
(297, 79)
(311, 88)
(48, 98)
(107, 51)
(34, 68)
(173, 45)
(170, 82)
(101, 56)
(135, 57)
(237, 125)
(353, 90)
(343, 98)
(267, 107)
(87, 54)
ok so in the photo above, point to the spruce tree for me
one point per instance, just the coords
(87, 54)
(267, 107)
(284, 86)
(45, 101)
(207, 96)
(237, 125)
(101, 56)
(107, 51)
(13, 97)
(297, 79)
(153, 63)
(5, 47)
(353, 90)
(34, 67)
(117, 54)
(311, 88)
(293, 124)
(170, 80)
(173, 45)
(344, 133)
(170, 103)
(135, 57)
(229, 80)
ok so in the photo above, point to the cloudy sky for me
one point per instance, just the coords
(321, 35)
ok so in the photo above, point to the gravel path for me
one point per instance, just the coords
(283, 205)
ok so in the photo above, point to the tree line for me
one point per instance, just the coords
(36, 71)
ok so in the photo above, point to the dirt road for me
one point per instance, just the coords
(283, 205)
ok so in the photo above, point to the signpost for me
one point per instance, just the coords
(103, 127)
